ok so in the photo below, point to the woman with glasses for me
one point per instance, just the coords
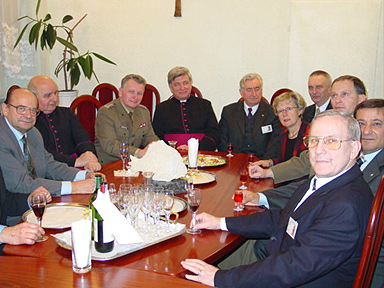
(289, 107)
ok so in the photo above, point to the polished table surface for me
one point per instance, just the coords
(165, 257)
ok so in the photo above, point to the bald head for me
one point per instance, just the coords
(46, 92)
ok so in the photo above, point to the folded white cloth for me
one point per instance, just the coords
(193, 150)
(121, 229)
(164, 161)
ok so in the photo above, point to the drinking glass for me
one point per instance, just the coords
(173, 144)
(238, 200)
(157, 207)
(124, 153)
(194, 199)
(146, 207)
(230, 149)
(113, 194)
(37, 203)
(243, 179)
(147, 178)
(251, 158)
(168, 204)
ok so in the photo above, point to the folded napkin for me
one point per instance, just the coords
(164, 161)
(193, 149)
(123, 231)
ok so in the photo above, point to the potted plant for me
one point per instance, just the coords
(45, 35)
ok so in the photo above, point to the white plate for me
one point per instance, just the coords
(59, 215)
(201, 177)
(179, 205)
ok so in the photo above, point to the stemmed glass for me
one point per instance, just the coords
(124, 153)
(168, 204)
(238, 198)
(194, 199)
(113, 194)
(146, 207)
(230, 149)
(38, 203)
(243, 179)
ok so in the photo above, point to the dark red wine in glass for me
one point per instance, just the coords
(38, 209)
(238, 198)
(193, 207)
(230, 149)
(37, 203)
(243, 179)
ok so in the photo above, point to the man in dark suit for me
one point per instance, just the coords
(316, 240)
(319, 88)
(64, 136)
(250, 125)
(25, 163)
(185, 116)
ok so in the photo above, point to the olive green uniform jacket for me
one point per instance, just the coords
(114, 125)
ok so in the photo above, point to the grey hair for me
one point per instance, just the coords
(249, 77)
(324, 74)
(137, 78)
(177, 72)
(296, 97)
(353, 125)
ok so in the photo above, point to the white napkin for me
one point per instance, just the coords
(193, 149)
(161, 159)
(123, 231)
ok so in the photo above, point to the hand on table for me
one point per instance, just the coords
(41, 190)
(24, 233)
(250, 198)
(84, 158)
(93, 166)
(205, 273)
(256, 171)
(207, 221)
(86, 186)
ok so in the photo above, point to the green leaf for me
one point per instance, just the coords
(67, 18)
(75, 76)
(72, 63)
(43, 40)
(34, 34)
(51, 36)
(103, 58)
(47, 17)
(87, 66)
(21, 35)
(37, 7)
(67, 44)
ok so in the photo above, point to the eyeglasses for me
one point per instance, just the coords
(285, 110)
(22, 110)
(332, 143)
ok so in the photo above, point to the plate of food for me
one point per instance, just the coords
(206, 160)
(200, 176)
(59, 215)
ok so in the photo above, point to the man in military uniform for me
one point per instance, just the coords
(124, 120)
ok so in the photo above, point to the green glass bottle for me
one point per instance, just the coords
(98, 180)
(102, 235)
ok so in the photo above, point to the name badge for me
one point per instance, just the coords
(266, 129)
(292, 227)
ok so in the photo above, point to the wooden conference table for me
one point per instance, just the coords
(164, 257)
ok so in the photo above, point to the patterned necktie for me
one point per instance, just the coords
(28, 159)
(317, 111)
(360, 160)
(249, 113)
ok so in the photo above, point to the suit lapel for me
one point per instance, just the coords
(258, 118)
(372, 170)
(12, 138)
(240, 119)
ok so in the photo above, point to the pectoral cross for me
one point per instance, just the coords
(177, 8)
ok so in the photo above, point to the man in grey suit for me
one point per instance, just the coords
(250, 125)
(319, 88)
(25, 163)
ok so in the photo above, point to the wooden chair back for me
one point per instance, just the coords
(105, 93)
(373, 240)
(151, 98)
(85, 107)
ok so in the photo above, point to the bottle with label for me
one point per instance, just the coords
(102, 234)
(98, 180)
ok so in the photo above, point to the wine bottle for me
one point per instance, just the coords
(104, 240)
(98, 180)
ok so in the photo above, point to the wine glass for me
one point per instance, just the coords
(238, 198)
(251, 158)
(243, 179)
(168, 204)
(194, 199)
(230, 149)
(124, 150)
(113, 194)
(38, 203)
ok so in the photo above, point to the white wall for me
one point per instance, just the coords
(221, 40)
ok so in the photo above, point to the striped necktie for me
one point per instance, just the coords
(28, 158)
(249, 116)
